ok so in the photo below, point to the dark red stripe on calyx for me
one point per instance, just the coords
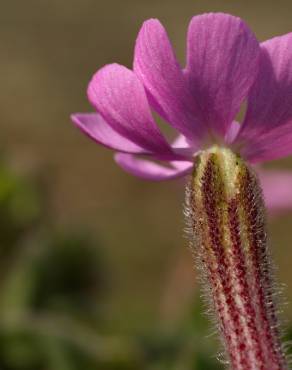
(240, 270)
(262, 285)
(214, 199)
(225, 215)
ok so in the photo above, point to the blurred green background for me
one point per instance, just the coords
(95, 271)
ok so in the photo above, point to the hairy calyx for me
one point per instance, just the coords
(225, 213)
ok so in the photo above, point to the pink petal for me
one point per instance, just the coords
(182, 147)
(94, 126)
(267, 129)
(180, 142)
(120, 98)
(277, 188)
(156, 65)
(149, 170)
(275, 144)
(222, 64)
(232, 132)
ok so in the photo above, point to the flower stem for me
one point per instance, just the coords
(225, 213)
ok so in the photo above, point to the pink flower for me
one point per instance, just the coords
(226, 66)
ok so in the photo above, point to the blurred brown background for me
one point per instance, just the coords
(49, 50)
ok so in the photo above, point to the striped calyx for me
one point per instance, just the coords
(225, 213)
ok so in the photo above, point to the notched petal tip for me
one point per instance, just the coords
(156, 65)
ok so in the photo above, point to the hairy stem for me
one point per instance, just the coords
(225, 213)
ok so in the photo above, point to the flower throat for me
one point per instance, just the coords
(226, 218)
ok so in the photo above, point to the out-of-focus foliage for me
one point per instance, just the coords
(52, 289)
(54, 285)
